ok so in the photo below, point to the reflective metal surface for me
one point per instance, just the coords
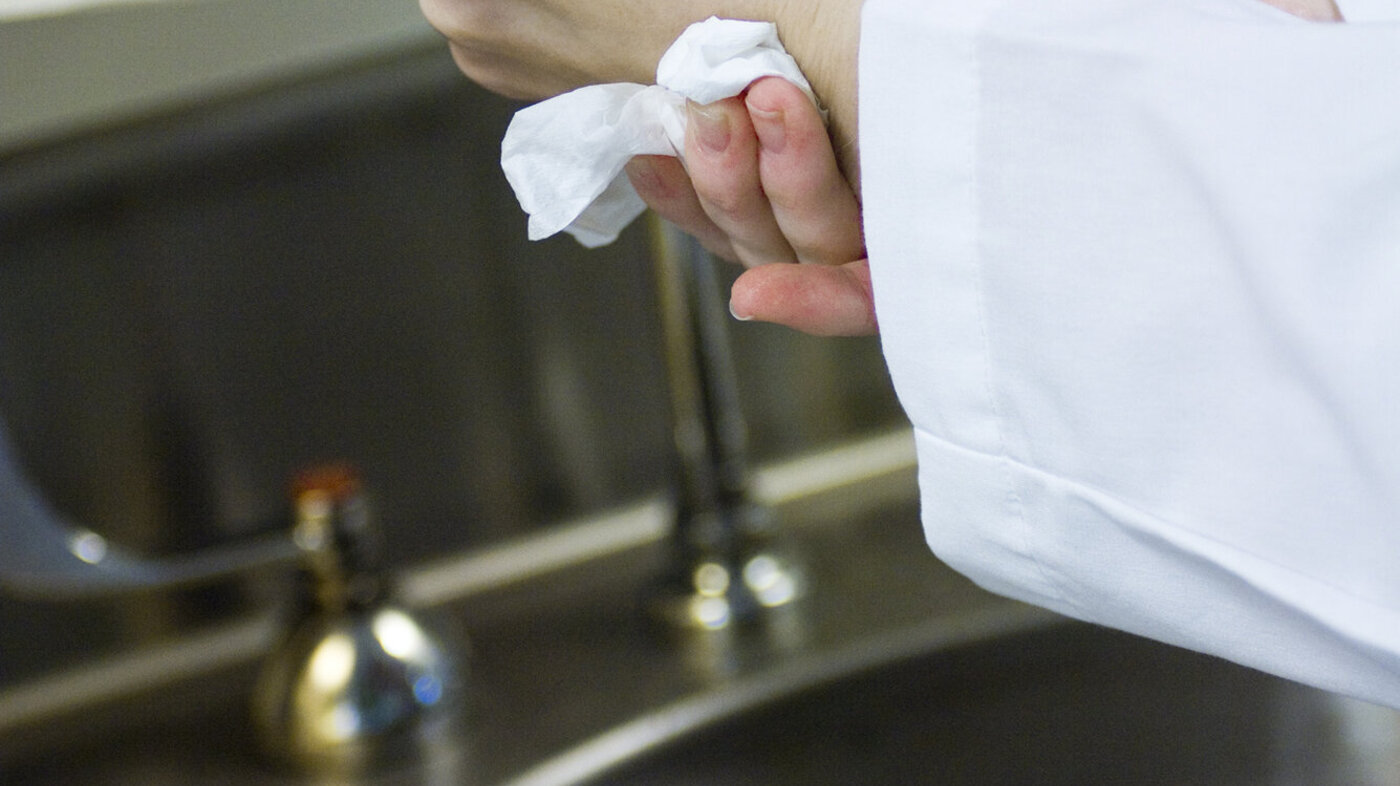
(48, 556)
(729, 564)
(195, 306)
(348, 690)
(358, 679)
(1073, 705)
(898, 671)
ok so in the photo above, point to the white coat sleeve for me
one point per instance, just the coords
(1137, 270)
(1369, 10)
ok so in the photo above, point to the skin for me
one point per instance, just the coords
(1312, 10)
(763, 186)
(764, 182)
(534, 49)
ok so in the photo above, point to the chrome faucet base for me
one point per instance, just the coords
(350, 690)
(728, 568)
(358, 680)
(723, 592)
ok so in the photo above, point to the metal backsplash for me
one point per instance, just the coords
(194, 307)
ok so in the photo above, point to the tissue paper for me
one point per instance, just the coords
(564, 157)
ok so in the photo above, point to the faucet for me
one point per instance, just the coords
(46, 555)
(728, 567)
(356, 676)
(357, 679)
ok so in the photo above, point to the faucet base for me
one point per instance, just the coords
(722, 591)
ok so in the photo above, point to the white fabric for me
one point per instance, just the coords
(564, 157)
(1137, 270)
(1370, 10)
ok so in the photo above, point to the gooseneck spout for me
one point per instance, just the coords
(42, 553)
(728, 566)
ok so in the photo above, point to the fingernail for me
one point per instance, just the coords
(711, 126)
(771, 128)
(736, 315)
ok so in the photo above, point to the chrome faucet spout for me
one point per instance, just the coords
(46, 555)
(728, 566)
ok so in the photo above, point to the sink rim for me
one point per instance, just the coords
(675, 721)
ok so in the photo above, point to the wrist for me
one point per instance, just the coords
(823, 36)
(826, 49)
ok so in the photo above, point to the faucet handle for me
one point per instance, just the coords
(341, 547)
(358, 679)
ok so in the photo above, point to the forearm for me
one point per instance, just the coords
(538, 48)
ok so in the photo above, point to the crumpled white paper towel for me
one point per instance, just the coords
(564, 156)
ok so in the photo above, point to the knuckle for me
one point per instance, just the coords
(795, 202)
(727, 206)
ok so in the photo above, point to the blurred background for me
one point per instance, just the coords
(241, 236)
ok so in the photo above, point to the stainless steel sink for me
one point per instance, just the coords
(894, 671)
(978, 690)
(1069, 705)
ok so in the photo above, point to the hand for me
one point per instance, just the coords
(761, 186)
(538, 48)
(533, 49)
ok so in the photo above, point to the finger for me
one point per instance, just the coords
(824, 300)
(662, 182)
(812, 203)
(721, 154)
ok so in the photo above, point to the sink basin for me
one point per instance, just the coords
(1059, 704)
(897, 671)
